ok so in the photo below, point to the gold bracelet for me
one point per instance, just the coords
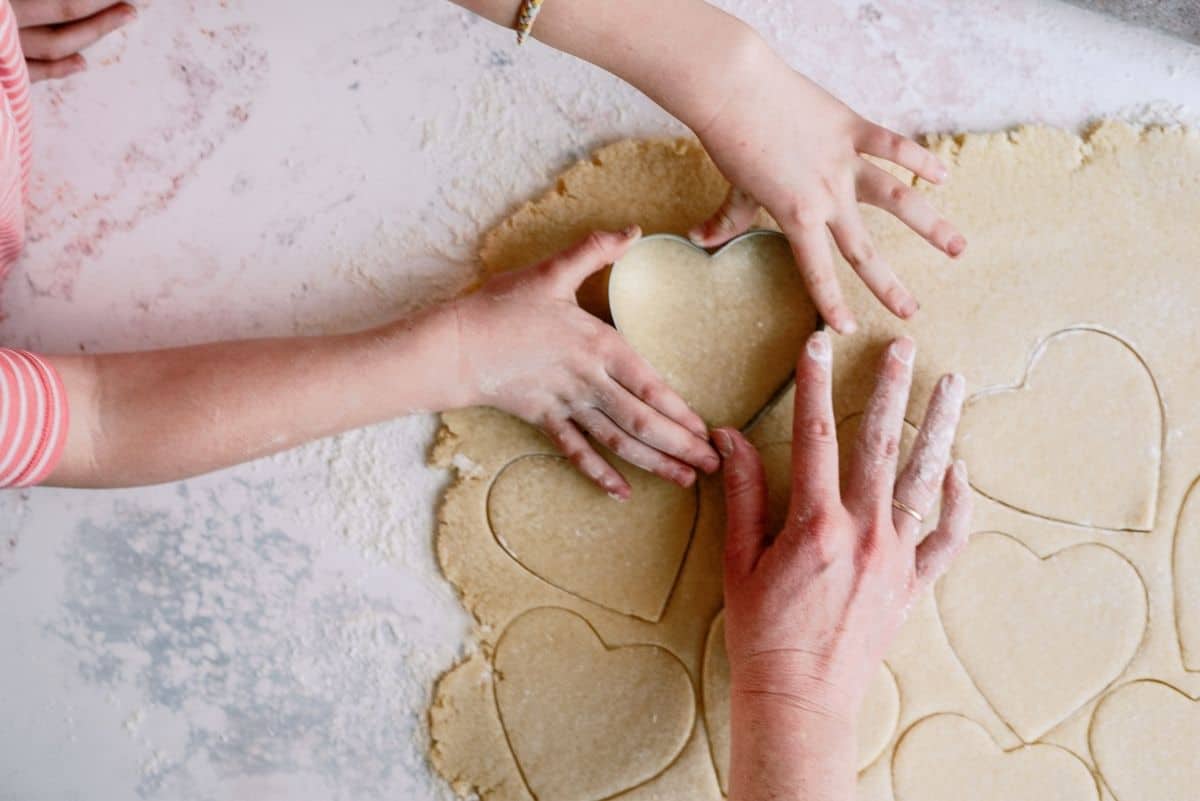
(526, 16)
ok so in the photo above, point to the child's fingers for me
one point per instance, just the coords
(735, 216)
(632, 450)
(936, 551)
(875, 140)
(656, 429)
(855, 243)
(55, 12)
(53, 70)
(810, 245)
(574, 445)
(591, 254)
(53, 42)
(885, 191)
(634, 373)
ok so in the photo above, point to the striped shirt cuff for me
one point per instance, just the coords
(33, 418)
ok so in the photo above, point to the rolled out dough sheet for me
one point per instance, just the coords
(1059, 659)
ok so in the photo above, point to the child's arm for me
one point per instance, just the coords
(520, 344)
(779, 138)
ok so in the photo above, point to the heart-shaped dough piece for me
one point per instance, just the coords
(876, 720)
(1040, 637)
(1145, 738)
(585, 721)
(562, 528)
(951, 758)
(1079, 440)
(723, 330)
(1187, 578)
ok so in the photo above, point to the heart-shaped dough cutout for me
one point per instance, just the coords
(559, 526)
(951, 758)
(1079, 440)
(723, 330)
(585, 721)
(876, 720)
(1145, 738)
(1040, 637)
(1187, 577)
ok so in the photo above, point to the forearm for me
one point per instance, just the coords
(144, 418)
(782, 753)
(680, 53)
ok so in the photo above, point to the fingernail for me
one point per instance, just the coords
(696, 235)
(819, 348)
(956, 385)
(618, 493)
(711, 462)
(904, 349)
(956, 246)
(941, 173)
(630, 231)
(960, 471)
(846, 326)
(724, 442)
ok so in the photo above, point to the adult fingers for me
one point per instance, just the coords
(55, 12)
(656, 429)
(883, 190)
(635, 374)
(54, 42)
(814, 432)
(735, 216)
(52, 70)
(936, 551)
(574, 445)
(872, 472)
(919, 481)
(632, 450)
(589, 255)
(745, 483)
(810, 246)
(855, 244)
(875, 140)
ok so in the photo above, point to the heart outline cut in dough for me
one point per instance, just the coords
(723, 329)
(1145, 738)
(877, 723)
(1185, 559)
(1085, 589)
(1071, 393)
(624, 557)
(555, 680)
(956, 758)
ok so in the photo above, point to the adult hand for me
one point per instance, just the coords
(527, 348)
(53, 32)
(786, 143)
(811, 610)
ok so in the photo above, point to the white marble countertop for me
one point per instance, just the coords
(234, 168)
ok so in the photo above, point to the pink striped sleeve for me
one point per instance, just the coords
(16, 138)
(33, 418)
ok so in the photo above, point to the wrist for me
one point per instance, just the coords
(424, 357)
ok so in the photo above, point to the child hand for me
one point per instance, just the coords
(54, 31)
(527, 348)
(811, 610)
(784, 142)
